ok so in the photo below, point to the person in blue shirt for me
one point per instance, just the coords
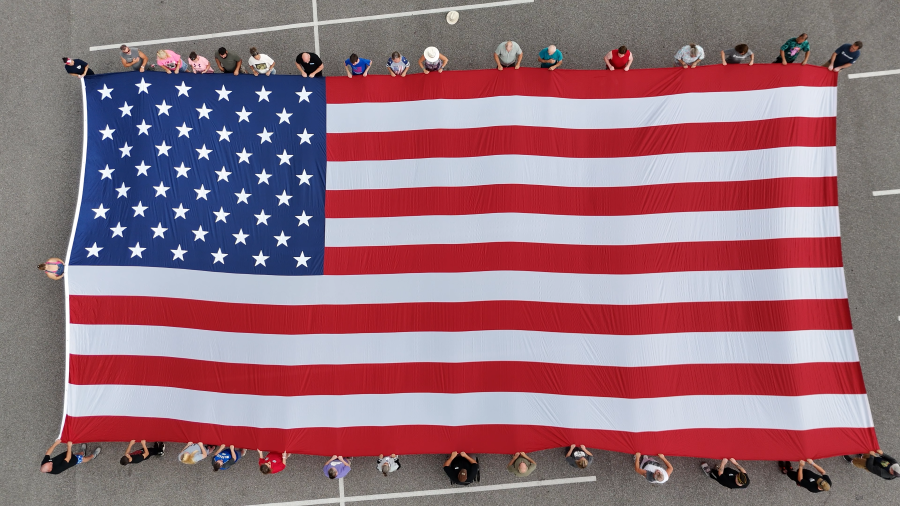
(357, 66)
(844, 56)
(550, 57)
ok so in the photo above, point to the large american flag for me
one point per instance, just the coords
(483, 261)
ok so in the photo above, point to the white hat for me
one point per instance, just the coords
(452, 17)
(432, 54)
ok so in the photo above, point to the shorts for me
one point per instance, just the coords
(80, 458)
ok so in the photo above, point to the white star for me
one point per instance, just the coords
(304, 219)
(204, 112)
(224, 134)
(304, 137)
(123, 191)
(285, 158)
(182, 171)
(126, 109)
(223, 174)
(179, 253)
(94, 251)
(136, 250)
(160, 190)
(100, 211)
(221, 214)
(142, 168)
(263, 177)
(219, 257)
(282, 239)
(223, 93)
(107, 132)
(243, 196)
(118, 229)
(183, 89)
(244, 156)
(240, 237)
(159, 231)
(180, 212)
(262, 217)
(139, 209)
(243, 115)
(284, 116)
(284, 198)
(265, 136)
(304, 95)
(203, 152)
(163, 149)
(126, 150)
(201, 193)
(144, 128)
(105, 92)
(163, 109)
(107, 173)
(200, 234)
(301, 260)
(304, 178)
(260, 259)
(263, 94)
(184, 130)
(142, 86)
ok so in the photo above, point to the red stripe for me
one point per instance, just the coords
(534, 377)
(573, 83)
(631, 259)
(544, 141)
(622, 201)
(752, 316)
(740, 443)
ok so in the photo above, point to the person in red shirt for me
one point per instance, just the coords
(273, 462)
(619, 59)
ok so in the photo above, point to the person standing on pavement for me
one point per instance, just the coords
(432, 60)
(461, 468)
(791, 49)
(170, 61)
(273, 462)
(260, 63)
(726, 476)
(388, 464)
(579, 456)
(809, 480)
(133, 58)
(138, 456)
(877, 463)
(550, 57)
(199, 64)
(508, 54)
(76, 67)
(67, 460)
(619, 59)
(844, 56)
(229, 63)
(336, 467)
(521, 465)
(651, 469)
(54, 268)
(397, 65)
(689, 55)
(309, 64)
(357, 66)
(740, 54)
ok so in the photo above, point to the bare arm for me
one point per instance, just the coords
(144, 446)
(421, 59)
(806, 58)
(445, 61)
(497, 60)
(784, 58)
(284, 457)
(630, 60)
(606, 60)
(344, 461)
(319, 69)
(470, 459)
(529, 459)
(202, 449)
(86, 67)
(222, 447)
(186, 446)
(450, 459)
(752, 58)
(585, 450)
(669, 467)
(53, 447)
(800, 471)
(817, 466)
(233, 455)
(332, 459)
(259, 452)
(302, 73)
(721, 468)
(637, 465)
(741, 469)
(723, 58)
(513, 459)
(571, 449)
(68, 451)
(237, 66)
(519, 60)
(349, 73)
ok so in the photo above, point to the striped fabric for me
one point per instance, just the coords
(515, 261)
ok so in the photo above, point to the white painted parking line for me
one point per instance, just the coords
(314, 23)
(444, 491)
(341, 491)
(874, 74)
(879, 193)
(315, 10)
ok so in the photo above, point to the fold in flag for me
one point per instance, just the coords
(489, 261)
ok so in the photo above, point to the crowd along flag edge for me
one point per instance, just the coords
(387, 264)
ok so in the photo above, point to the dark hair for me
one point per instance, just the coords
(802, 35)
(741, 48)
(395, 54)
(192, 56)
(354, 58)
(65, 59)
(332, 473)
(858, 44)
(123, 47)
(623, 49)
(253, 51)
(222, 51)
(124, 460)
(42, 267)
(217, 465)
(264, 469)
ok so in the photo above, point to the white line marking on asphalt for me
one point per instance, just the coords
(315, 23)
(874, 74)
(341, 491)
(444, 491)
(879, 193)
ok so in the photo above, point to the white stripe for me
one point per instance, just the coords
(554, 112)
(874, 74)
(772, 163)
(492, 408)
(881, 193)
(585, 230)
(796, 347)
(655, 288)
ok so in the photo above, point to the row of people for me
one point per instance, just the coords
(463, 469)
(508, 54)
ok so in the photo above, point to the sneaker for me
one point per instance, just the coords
(162, 449)
(849, 458)
(705, 467)
(96, 452)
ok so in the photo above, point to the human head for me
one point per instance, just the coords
(895, 469)
(551, 49)
(124, 48)
(385, 468)
(222, 52)
(741, 479)
(162, 54)
(823, 485)
(523, 467)
(462, 476)
(659, 476)
(67, 61)
(509, 46)
(395, 56)
(582, 462)
(265, 468)
(354, 58)
(801, 38)
(332, 473)
(254, 52)
(192, 56)
(42, 267)
(857, 45)
(693, 50)
(741, 48)
(623, 50)
(432, 54)
(216, 465)
(304, 57)
(46, 468)
(125, 460)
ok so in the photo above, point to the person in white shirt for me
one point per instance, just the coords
(690, 54)
(260, 63)
(388, 464)
(651, 469)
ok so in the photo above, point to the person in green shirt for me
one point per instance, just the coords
(791, 49)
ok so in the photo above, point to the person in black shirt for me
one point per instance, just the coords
(138, 456)
(809, 480)
(76, 67)
(309, 65)
(461, 468)
(63, 461)
(877, 463)
(726, 476)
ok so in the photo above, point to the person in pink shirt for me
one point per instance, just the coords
(199, 64)
(170, 61)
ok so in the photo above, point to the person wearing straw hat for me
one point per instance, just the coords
(432, 60)
(550, 57)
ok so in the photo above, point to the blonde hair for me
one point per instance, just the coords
(582, 462)
(162, 54)
(188, 458)
(824, 484)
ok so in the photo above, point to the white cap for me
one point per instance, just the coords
(432, 54)
(452, 17)
(896, 469)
